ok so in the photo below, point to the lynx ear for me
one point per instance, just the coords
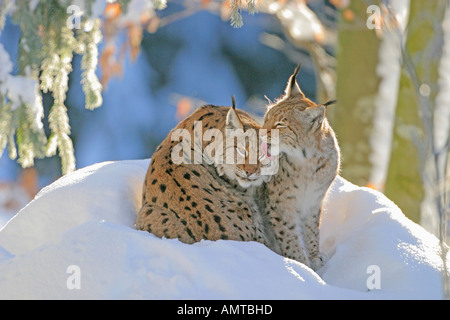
(233, 121)
(317, 115)
(292, 88)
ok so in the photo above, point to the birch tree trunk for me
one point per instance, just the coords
(404, 184)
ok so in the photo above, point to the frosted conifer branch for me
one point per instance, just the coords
(89, 80)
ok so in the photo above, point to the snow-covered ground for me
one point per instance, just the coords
(76, 240)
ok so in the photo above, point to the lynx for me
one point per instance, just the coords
(309, 161)
(208, 200)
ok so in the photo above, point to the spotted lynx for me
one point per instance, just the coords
(308, 163)
(208, 200)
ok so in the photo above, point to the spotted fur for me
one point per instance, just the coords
(192, 202)
(308, 163)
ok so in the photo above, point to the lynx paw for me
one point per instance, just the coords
(318, 261)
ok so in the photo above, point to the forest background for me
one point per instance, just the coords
(88, 81)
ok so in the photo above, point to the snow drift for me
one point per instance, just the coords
(83, 225)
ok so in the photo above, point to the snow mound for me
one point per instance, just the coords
(76, 240)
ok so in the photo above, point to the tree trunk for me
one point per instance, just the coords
(404, 183)
(356, 89)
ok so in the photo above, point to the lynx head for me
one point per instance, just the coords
(301, 123)
(242, 159)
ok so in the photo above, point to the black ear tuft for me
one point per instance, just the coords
(326, 104)
(292, 80)
(233, 102)
(292, 88)
(297, 70)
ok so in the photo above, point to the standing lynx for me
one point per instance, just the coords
(206, 200)
(308, 164)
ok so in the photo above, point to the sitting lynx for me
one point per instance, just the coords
(203, 201)
(308, 163)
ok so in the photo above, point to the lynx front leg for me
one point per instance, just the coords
(311, 237)
(288, 238)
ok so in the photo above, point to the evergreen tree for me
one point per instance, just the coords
(51, 34)
(46, 49)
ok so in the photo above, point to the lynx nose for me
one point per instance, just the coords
(250, 169)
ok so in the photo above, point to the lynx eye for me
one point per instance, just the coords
(279, 125)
